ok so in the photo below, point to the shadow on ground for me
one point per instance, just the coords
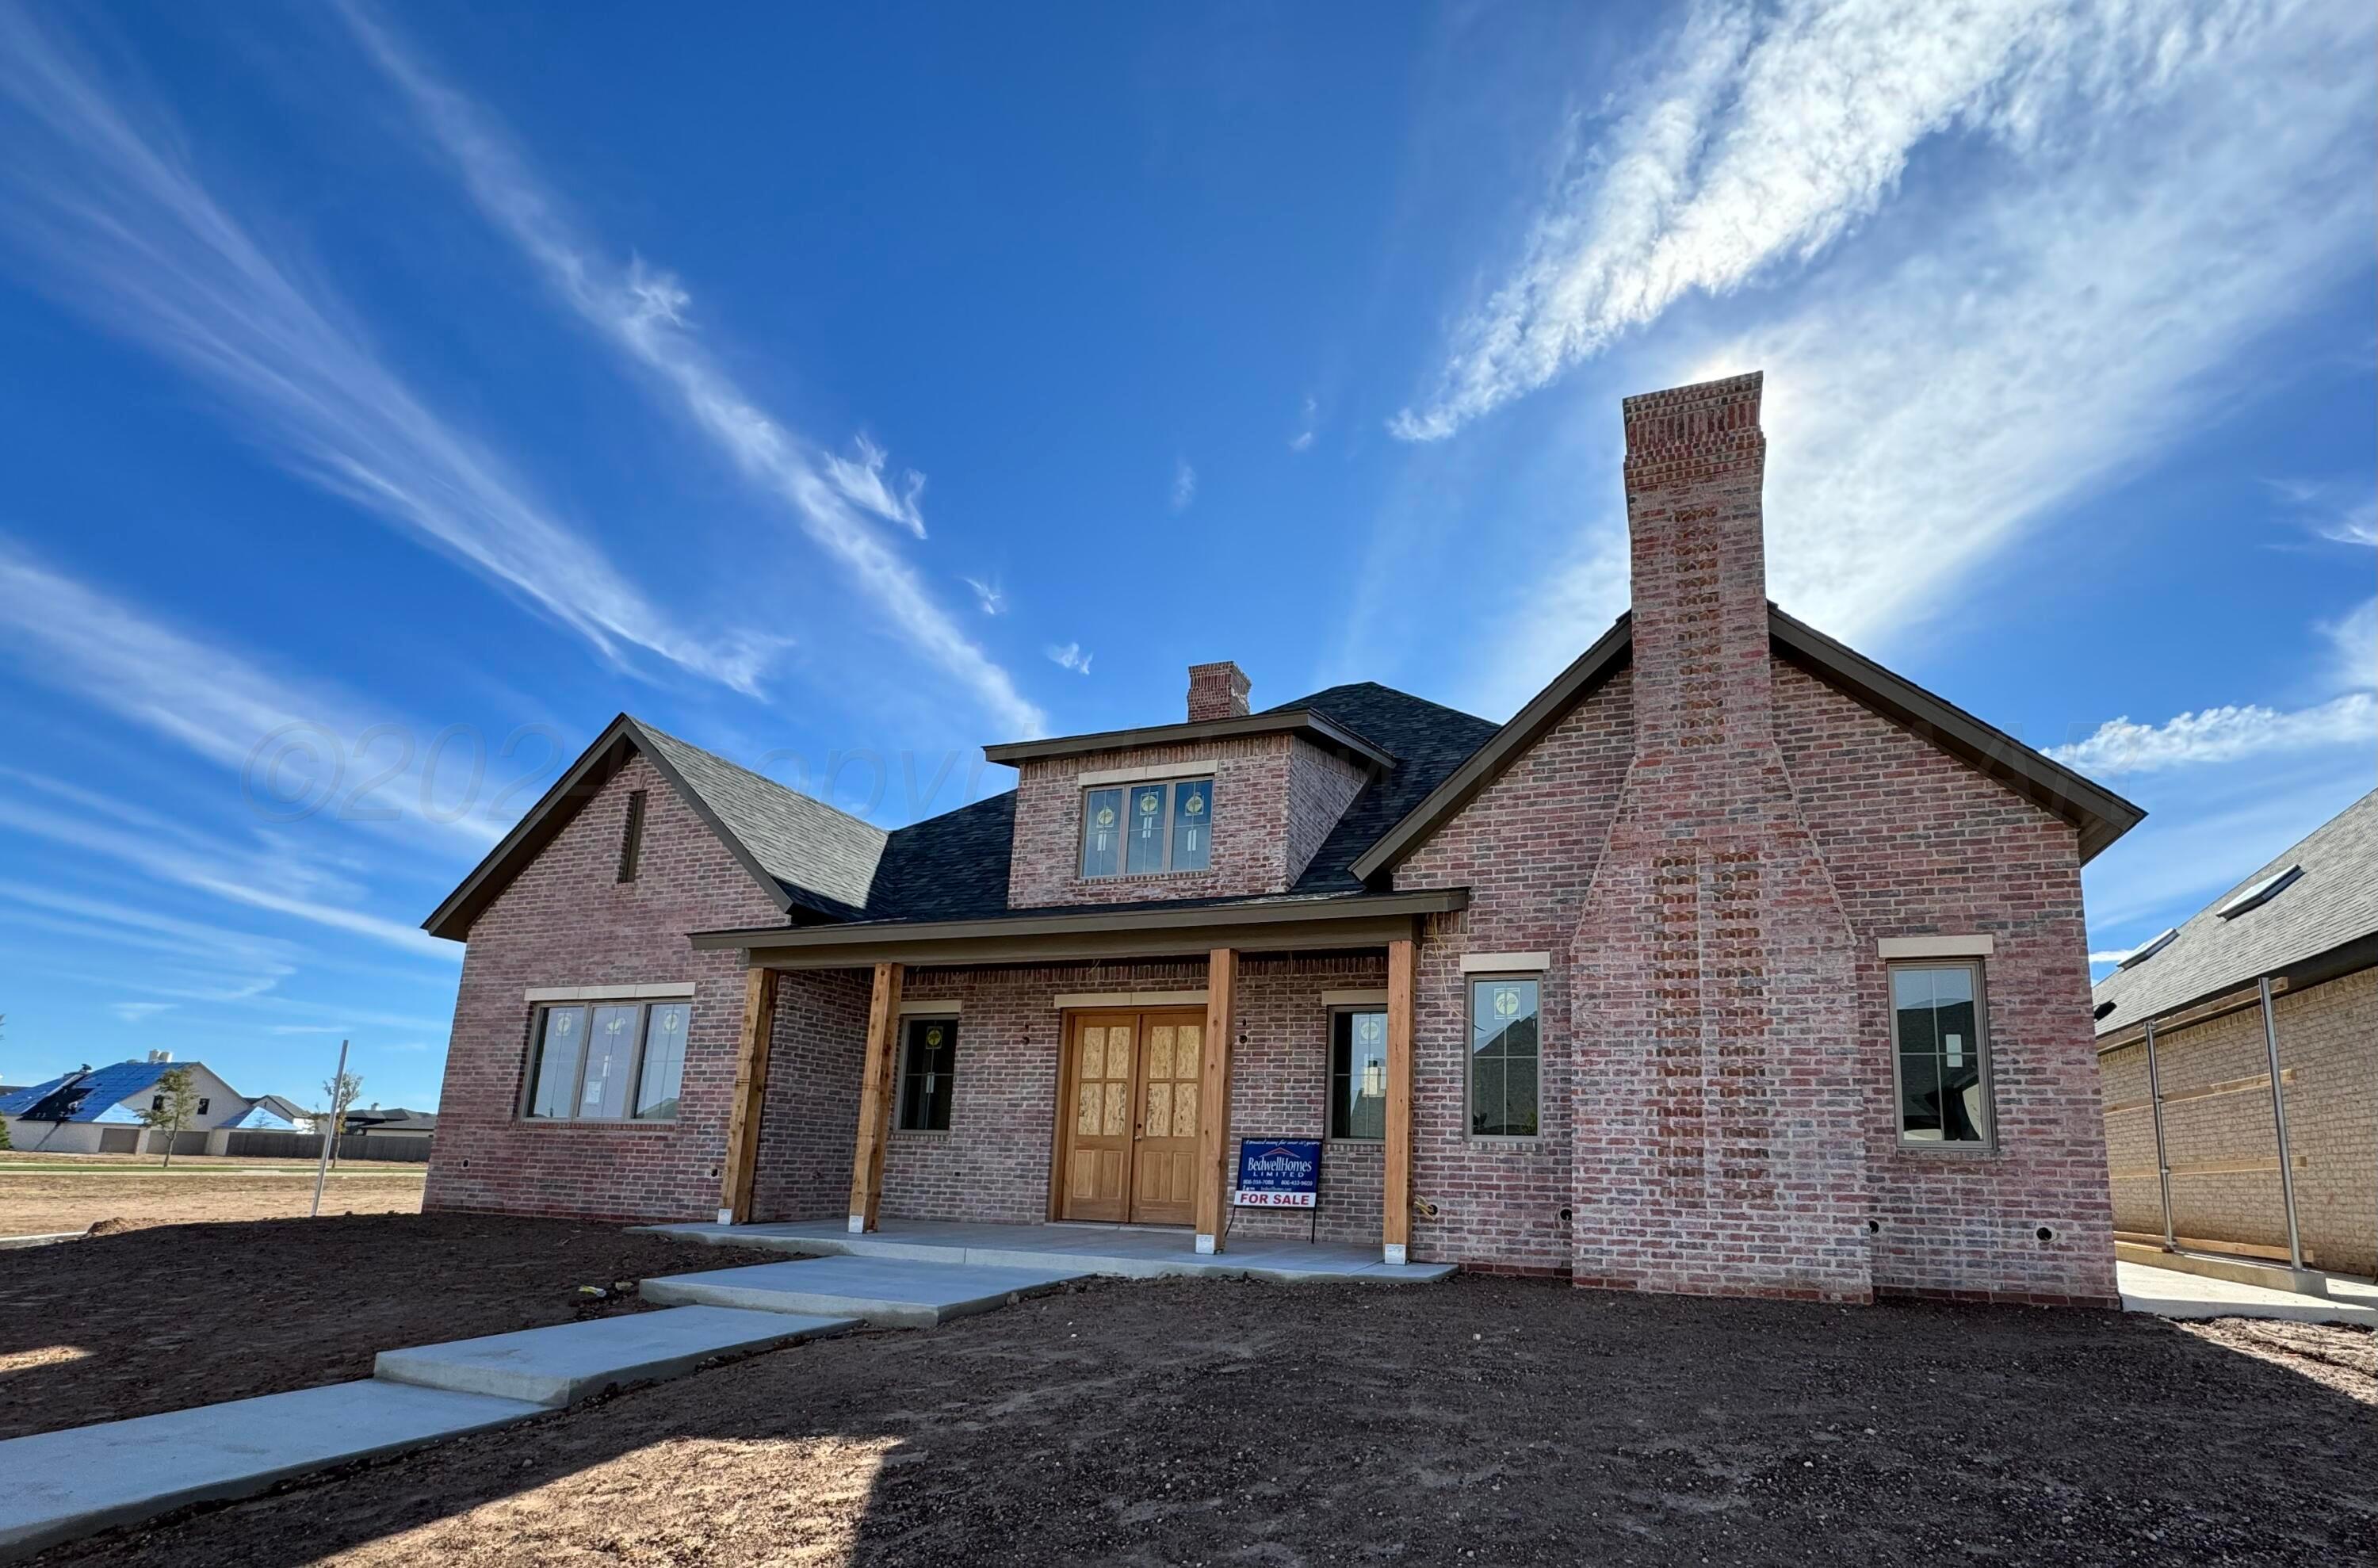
(1487, 1420)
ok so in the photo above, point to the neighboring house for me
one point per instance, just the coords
(1733, 964)
(2308, 924)
(393, 1122)
(97, 1110)
(274, 1113)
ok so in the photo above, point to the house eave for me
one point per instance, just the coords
(1318, 728)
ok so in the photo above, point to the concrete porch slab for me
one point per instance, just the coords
(567, 1362)
(61, 1485)
(892, 1292)
(1115, 1251)
(2169, 1293)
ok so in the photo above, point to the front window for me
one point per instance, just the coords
(1504, 1058)
(608, 1061)
(927, 1072)
(1358, 1075)
(1935, 1014)
(1144, 829)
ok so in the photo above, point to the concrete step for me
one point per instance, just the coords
(890, 1292)
(56, 1486)
(569, 1362)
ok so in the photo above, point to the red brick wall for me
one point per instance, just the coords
(1274, 800)
(1920, 844)
(809, 1122)
(568, 921)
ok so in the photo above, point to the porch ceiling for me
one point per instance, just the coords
(1368, 919)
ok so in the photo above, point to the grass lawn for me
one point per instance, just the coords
(1483, 1420)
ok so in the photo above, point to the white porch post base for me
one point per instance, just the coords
(725, 1216)
(858, 1225)
(1204, 1245)
(1395, 1251)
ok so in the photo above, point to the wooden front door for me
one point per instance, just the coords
(1130, 1100)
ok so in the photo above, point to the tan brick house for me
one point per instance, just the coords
(1732, 964)
(2282, 967)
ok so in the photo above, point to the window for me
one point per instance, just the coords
(631, 836)
(608, 1061)
(1358, 1075)
(1503, 1057)
(204, 1102)
(1945, 1086)
(929, 1051)
(157, 1102)
(1142, 830)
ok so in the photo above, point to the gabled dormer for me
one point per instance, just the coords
(1229, 803)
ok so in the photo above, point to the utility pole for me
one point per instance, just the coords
(322, 1170)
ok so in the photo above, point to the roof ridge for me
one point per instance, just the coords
(658, 733)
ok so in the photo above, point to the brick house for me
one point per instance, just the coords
(1732, 964)
(2282, 969)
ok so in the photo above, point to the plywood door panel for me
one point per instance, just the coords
(1097, 1116)
(1164, 1159)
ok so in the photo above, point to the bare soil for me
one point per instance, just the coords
(1485, 1421)
(136, 1321)
(128, 1198)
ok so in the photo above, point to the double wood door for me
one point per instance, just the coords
(1127, 1109)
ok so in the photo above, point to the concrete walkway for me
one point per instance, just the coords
(1116, 1251)
(569, 1362)
(896, 1293)
(2167, 1293)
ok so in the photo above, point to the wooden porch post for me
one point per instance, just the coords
(1214, 1098)
(751, 1090)
(875, 1100)
(1395, 1223)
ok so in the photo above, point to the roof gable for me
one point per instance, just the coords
(2333, 905)
(801, 852)
(2100, 815)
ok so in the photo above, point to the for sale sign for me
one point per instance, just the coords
(1278, 1173)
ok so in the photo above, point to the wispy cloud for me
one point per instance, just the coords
(1185, 485)
(122, 228)
(2342, 514)
(1070, 657)
(1976, 362)
(989, 597)
(281, 735)
(139, 1012)
(2221, 734)
(645, 314)
(1306, 419)
(861, 479)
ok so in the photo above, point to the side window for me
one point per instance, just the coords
(1358, 1074)
(927, 1072)
(608, 1061)
(1940, 1041)
(1504, 1056)
(1143, 829)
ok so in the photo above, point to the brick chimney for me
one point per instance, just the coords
(1217, 691)
(1719, 1095)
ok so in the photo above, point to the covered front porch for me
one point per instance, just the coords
(1094, 1085)
(1117, 1251)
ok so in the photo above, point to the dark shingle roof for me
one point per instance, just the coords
(805, 844)
(953, 866)
(78, 1097)
(1429, 741)
(2335, 902)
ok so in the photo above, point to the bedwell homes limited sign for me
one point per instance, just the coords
(1278, 1173)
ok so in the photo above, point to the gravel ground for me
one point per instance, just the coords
(139, 1321)
(1485, 1421)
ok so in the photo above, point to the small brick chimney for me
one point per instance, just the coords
(1217, 691)
(1718, 1075)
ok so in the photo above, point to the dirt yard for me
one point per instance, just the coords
(157, 1318)
(54, 1196)
(1487, 1421)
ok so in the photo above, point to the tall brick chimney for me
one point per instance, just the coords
(1720, 1144)
(1217, 691)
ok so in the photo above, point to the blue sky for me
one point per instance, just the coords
(396, 395)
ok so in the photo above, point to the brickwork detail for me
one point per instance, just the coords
(567, 919)
(2328, 1042)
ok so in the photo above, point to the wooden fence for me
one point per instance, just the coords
(255, 1143)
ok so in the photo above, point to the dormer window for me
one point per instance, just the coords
(1147, 828)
